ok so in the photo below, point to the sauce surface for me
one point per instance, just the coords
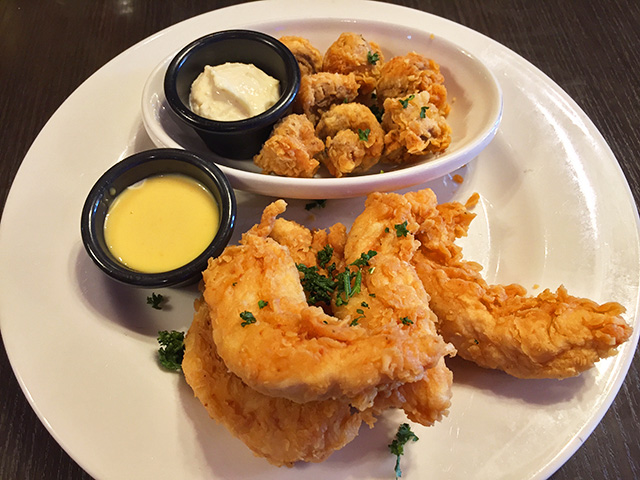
(233, 91)
(161, 223)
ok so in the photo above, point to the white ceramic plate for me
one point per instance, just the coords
(472, 90)
(555, 208)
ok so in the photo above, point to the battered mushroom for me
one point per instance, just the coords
(320, 91)
(414, 127)
(353, 137)
(409, 74)
(290, 149)
(351, 53)
(309, 57)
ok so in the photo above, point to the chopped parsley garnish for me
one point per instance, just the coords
(423, 111)
(401, 229)
(345, 289)
(364, 304)
(363, 261)
(406, 101)
(406, 321)
(318, 287)
(396, 447)
(363, 135)
(372, 57)
(324, 255)
(315, 203)
(262, 304)
(171, 351)
(247, 318)
(155, 300)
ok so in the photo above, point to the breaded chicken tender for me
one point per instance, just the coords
(309, 57)
(293, 350)
(353, 138)
(552, 335)
(410, 74)
(320, 91)
(413, 127)
(278, 429)
(290, 149)
(351, 53)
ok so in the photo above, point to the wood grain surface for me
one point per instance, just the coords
(49, 47)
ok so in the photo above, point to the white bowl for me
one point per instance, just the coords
(473, 91)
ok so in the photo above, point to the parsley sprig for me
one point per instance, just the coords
(372, 57)
(171, 351)
(405, 102)
(403, 435)
(155, 300)
(363, 135)
(401, 229)
(247, 318)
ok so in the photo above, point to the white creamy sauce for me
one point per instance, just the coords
(233, 91)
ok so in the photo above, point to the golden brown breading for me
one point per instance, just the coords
(278, 429)
(353, 137)
(413, 127)
(409, 74)
(309, 57)
(290, 149)
(320, 91)
(552, 335)
(304, 244)
(351, 53)
(296, 351)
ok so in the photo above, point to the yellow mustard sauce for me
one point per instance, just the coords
(161, 223)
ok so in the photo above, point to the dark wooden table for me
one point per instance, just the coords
(47, 48)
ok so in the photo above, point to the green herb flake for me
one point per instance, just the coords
(324, 255)
(317, 287)
(171, 351)
(372, 57)
(401, 229)
(155, 300)
(262, 304)
(363, 261)
(363, 135)
(364, 304)
(247, 318)
(405, 102)
(423, 111)
(406, 321)
(315, 204)
(396, 447)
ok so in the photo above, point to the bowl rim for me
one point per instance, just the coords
(268, 116)
(181, 275)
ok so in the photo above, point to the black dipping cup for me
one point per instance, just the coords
(130, 171)
(241, 139)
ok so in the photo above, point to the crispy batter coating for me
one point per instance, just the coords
(409, 74)
(309, 57)
(351, 53)
(304, 244)
(414, 127)
(278, 429)
(552, 335)
(353, 137)
(299, 352)
(320, 91)
(290, 149)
